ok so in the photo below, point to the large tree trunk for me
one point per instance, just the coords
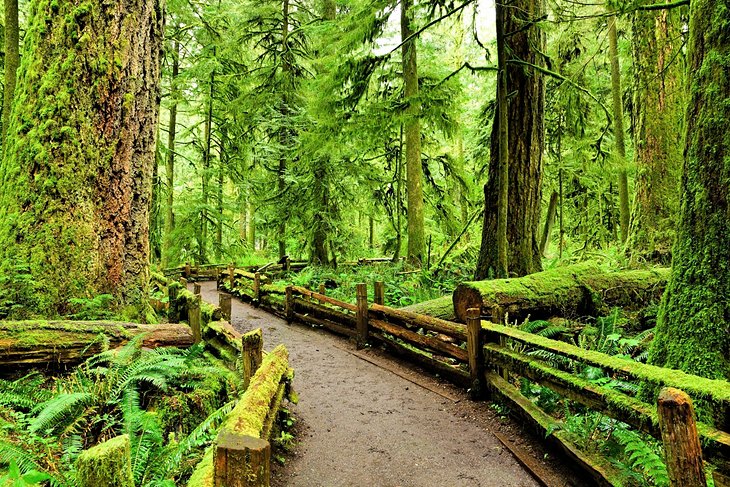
(569, 292)
(442, 307)
(76, 175)
(414, 171)
(170, 160)
(54, 343)
(618, 128)
(526, 144)
(692, 325)
(12, 60)
(659, 103)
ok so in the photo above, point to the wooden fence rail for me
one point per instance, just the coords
(489, 358)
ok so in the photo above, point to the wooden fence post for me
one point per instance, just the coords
(196, 288)
(224, 302)
(194, 319)
(257, 288)
(289, 304)
(174, 313)
(322, 289)
(362, 315)
(188, 270)
(682, 449)
(379, 296)
(108, 463)
(242, 461)
(287, 264)
(231, 276)
(252, 344)
(184, 282)
(475, 349)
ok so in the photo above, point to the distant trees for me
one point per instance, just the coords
(77, 166)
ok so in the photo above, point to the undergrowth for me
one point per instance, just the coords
(168, 401)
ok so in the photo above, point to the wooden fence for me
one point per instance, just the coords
(489, 358)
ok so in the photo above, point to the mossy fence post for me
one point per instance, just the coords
(224, 302)
(256, 289)
(188, 270)
(362, 315)
(174, 313)
(289, 304)
(196, 288)
(194, 319)
(242, 461)
(107, 463)
(252, 344)
(231, 276)
(322, 289)
(475, 349)
(379, 295)
(682, 449)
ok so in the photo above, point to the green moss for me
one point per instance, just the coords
(442, 308)
(203, 476)
(108, 464)
(249, 415)
(712, 390)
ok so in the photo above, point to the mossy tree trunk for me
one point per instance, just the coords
(76, 172)
(414, 170)
(618, 129)
(526, 144)
(658, 115)
(284, 133)
(693, 331)
(12, 60)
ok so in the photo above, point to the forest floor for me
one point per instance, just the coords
(365, 419)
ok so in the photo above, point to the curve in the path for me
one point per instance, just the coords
(369, 427)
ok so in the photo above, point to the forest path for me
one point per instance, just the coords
(365, 425)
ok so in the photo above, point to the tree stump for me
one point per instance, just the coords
(242, 461)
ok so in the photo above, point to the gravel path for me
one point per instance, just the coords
(364, 425)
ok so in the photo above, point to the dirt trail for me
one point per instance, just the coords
(364, 425)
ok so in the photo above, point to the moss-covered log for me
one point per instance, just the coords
(442, 308)
(573, 291)
(54, 343)
(107, 463)
(76, 172)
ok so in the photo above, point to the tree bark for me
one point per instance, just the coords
(692, 324)
(12, 60)
(618, 129)
(658, 114)
(414, 171)
(526, 144)
(570, 292)
(76, 175)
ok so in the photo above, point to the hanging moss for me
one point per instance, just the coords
(75, 174)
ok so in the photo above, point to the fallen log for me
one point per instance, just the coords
(55, 343)
(442, 308)
(573, 291)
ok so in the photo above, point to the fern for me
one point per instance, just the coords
(60, 411)
(642, 459)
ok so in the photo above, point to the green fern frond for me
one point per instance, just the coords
(60, 411)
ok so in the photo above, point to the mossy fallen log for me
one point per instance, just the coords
(442, 308)
(53, 343)
(573, 291)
